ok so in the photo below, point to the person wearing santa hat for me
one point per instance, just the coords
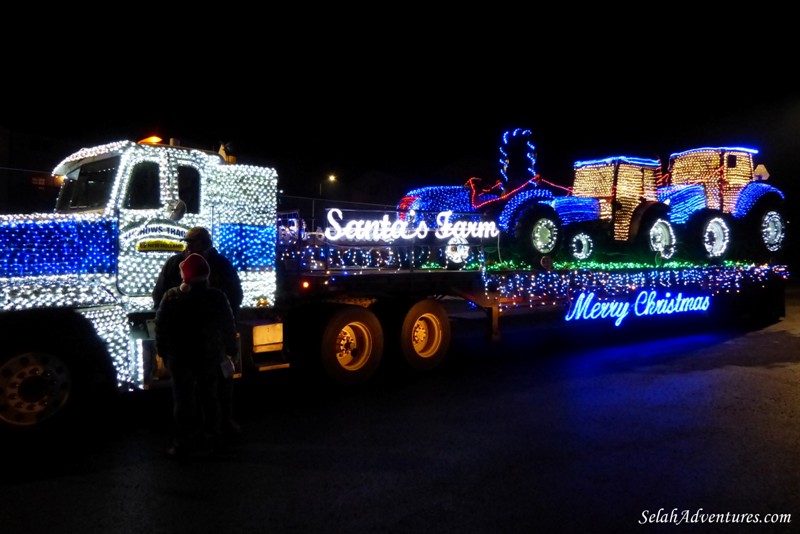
(195, 333)
(223, 276)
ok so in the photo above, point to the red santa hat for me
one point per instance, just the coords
(194, 269)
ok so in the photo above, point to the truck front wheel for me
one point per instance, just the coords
(38, 389)
(351, 345)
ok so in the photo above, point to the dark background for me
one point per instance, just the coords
(408, 97)
(418, 126)
(395, 100)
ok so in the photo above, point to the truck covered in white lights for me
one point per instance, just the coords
(76, 311)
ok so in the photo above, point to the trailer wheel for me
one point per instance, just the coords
(425, 335)
(351, 345)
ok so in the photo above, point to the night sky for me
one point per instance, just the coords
(413, 132)
(389, 103)
(408, 104)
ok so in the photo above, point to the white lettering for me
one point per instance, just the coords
(463, 229)
(371, 230)
(387, 230)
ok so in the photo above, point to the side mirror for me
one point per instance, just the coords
(177, 210)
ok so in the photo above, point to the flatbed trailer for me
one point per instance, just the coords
(409, 321)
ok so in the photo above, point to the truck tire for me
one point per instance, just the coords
(350, 344)
(425, 335)
(42, 387)
(538, 235)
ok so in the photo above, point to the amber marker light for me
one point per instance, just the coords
(153, 139)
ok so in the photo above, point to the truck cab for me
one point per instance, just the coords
(149, 194)
(76, 284)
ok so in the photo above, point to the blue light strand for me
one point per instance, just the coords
(50, 244)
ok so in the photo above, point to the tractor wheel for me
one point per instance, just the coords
(538, 235)
(763, 231)
(709, 237)
(657, 238)
(456, 253)
(581, 243)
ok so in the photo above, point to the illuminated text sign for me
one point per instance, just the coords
(388, 230)
(647, 303)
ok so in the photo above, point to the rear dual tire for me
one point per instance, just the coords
(345, 343)
(351, 345)
(424, 336)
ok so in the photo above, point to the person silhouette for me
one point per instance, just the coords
(195, 332)
(224, 277)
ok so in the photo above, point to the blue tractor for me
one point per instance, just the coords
(711, 204)
(537, 225)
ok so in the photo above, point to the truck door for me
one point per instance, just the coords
(151, 228)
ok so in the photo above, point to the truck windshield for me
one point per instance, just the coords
(88, 186)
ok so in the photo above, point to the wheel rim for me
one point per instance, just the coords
(353, 346)
(426, 336)
(457, 250)
(544, 235)
(716, 237)
(772, 230)
(582, 246)
(662, 239)
(33, 387)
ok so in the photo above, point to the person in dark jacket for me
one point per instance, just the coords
(223, 273)
(224, 277)
(195, 333)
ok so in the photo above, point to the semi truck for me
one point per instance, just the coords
(77, 316)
